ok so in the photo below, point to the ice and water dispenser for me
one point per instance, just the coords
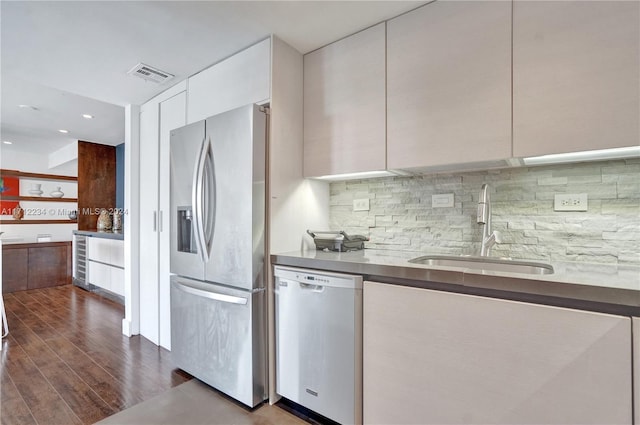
(186, 237)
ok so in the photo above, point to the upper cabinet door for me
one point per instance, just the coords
(344, 105)
(576, 76)
(449, 84)
(242, 79)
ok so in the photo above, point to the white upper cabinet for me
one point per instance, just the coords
(576, 76)
(449, 84)
(344, 105)
(242, 79)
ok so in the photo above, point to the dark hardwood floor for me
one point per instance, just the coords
(66, 361)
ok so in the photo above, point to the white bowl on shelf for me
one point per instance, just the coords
(57, 193)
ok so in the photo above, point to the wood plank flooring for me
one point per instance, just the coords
(66, 361)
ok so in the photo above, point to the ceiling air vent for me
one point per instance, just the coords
(149, 73)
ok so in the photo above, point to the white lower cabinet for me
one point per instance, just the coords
(434, 357)
(100, 275)
(105, 264)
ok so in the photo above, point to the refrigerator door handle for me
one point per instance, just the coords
(197, 194)
(185, 287)
(208, 197)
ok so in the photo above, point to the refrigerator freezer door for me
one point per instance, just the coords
(218, 336)
(186, 146)
(238, 141)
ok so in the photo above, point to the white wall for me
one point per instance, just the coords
(34, 163)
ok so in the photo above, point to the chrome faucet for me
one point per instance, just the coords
(489, 238)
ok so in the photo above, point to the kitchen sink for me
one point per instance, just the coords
(485, 263)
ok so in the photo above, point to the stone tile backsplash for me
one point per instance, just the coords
(401, 216)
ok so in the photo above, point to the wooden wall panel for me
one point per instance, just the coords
(96, 182)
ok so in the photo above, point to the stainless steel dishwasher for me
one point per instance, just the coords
(319, 341)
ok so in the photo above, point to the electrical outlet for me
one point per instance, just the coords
(570, 202)
(361, 204)
(443, 200)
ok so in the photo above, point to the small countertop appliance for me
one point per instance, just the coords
(337, 240)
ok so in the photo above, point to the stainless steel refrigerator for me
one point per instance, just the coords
(218, 322)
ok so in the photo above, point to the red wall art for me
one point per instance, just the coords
(9, 186)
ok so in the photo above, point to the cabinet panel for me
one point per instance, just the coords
(117, 281)
(576, 76)
(14, 269)
(438, 357)
(49, 266)
(149, 192)
(344, 105)
(117, 253)
(239, 80)
(96, 182)
(449, 84)
(99, 249)
(100, 275)
(172, 116)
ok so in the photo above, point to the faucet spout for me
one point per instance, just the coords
(489, 238)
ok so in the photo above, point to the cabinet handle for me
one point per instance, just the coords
(155, 221)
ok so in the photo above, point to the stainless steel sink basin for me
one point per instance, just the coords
(485, 263)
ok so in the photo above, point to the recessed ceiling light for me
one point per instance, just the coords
(63, 131)
(6, 142)
(33, 108)
(87, 116)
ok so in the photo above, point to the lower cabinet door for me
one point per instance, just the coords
(100, 275)
(15, 269)
(117, 281)
(49, 266)
(434, 357)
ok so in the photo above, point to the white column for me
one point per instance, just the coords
(131, 321)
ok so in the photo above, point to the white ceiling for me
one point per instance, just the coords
(67, 58)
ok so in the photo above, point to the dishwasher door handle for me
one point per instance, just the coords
(309, 287)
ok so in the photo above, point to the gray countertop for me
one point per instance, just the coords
(106, 234)
(30, 241)
(600, 287)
